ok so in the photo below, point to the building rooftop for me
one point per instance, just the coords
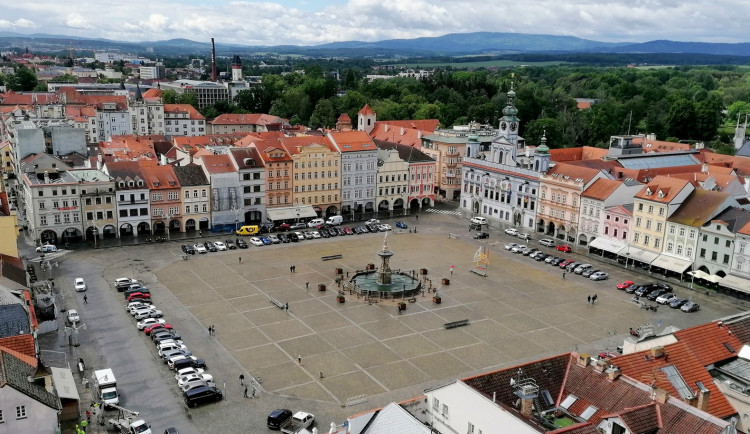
(662, 189)
(352, 141)
(216, 164)
(190, 175)
(699, 207)
(410, 154)
(173, 109)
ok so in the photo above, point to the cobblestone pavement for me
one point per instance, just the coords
(521, 310)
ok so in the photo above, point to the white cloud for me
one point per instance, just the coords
(274, 23)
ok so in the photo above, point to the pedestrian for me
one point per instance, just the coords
(299, 360)
(452, 267)
(291, 269)
(85, 299)
(253, 396)
(320, 374)
(246, 392)
(593, 299)
(563, 275)
(240, 259)
(286, 307)
(84, 424)
(213, 330)
(417, 217)
(242, 379)
(589, 299)
(88, 416)
(307, 285)
(209, 330)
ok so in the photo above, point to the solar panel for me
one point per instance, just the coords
(590, 410)
(674, 377)
(568, 401)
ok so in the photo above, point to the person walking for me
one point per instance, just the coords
(452, 267)
(563, 275)
(209, 330)
(84, 424)
(242, 379)
(85, 299)
(299, 360)
(240, 259)
(307, 285)
(589, 299)
(246, 392)
(593, 299)
(291, 269)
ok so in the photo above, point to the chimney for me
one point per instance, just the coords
(601, 365)
(657, 352)
(704, 167)
(213, 60)
(613, 373)
(527, 405)
(583, 360)
(703, 399)
(419, 134)
(402, 131)
(386, 128)
(661, 396)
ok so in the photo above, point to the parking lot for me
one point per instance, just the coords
(522, 310)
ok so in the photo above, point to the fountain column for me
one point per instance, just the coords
(384, 271)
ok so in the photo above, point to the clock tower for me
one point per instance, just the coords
(509, 121)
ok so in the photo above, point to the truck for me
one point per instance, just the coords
(335, 220)
(127, 422)
(104, 387)
(298, 422)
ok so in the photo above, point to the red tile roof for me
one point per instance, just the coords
(246, 119)
(601, 189)
(29, 360)
(352, 141)
(662, 189)
(23, 344)
(152, 93)
(183, 108)
(429, 125)
(699, 207)
(387, 132)
(659, 145)
(366, 110)
(573, 172)
(577, 153)
(295, 144)
(220, 163)
(160, 177)
(706, 342)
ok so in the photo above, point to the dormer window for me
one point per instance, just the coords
(130, 183)
(140, 183)
(649, 192)
(661, 194)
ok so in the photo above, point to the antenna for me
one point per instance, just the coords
(630, 120)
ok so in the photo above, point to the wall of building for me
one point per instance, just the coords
(67, 140)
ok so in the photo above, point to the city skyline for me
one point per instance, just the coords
(316, 22)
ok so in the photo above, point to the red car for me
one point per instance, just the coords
(157, 326)
(283, 227)
(625, 284)
(605, 356)
(564, 248)
(139, 296)
(348, 231)
(565, 263)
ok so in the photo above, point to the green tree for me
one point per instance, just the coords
(738, 109)
(169, 96)
(323, 115)
(681, 119)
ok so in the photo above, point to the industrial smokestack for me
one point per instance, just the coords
(213, 60)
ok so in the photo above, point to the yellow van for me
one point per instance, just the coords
(248, 230)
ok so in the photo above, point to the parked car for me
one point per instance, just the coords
(220, 246)
(73, 316)
(690, 306)
(589, 272)
(283, 227)
(314, 223)
(550, 258)
(666, 298)
(511, 231)
(402, 225)
(274, 239)
(211, 247)
(187, 248)
(266, 228)
(187, 371)
(653, 295)
(385, 227)
(185, 379)
(200, 248)
(148, 322)
(566, 262)
(581, 268)
(644, 290)
(300, 235)
(266, 241)
(256, 242)
(547, 242)
(600, 275)
(153, 327)
(230, 244)
(518, 248)
(572, 266)
(299, 225)
(47, 248)
(564, 248)
(241, 243)
(479, 220)
(284, 238)
(123, 282)
(372, 227)
(541, 256)
(664, 286)
(677, 303)
(625, 284)
(139, 304)
(139, 296)
(557, 261)
(324, 233)
(510, 246)
(372, 222)
(147, 313)
(481, 235)
(293, 237)
(632, 288)
(525, 237)
(308, 235)
(79, 284)
(529, 252)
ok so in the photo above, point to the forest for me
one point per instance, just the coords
(676, 103)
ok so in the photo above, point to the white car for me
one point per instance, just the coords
(147, 313)
(171, 347)
(187, 371)
(525, 237)
(47, 248)
(147, 322)
(138, 305)
(73, 316)
(372, 222)
(510, 246)
(599, 275)
(220, 246)
(194, 377)
(170, 341)
(479, 220)
(171, 361)
(316, 234)
(519, 247)
(274, 239)
(195, 383)
(666, 298)
(300, 235)
(387, 227)
(79, 284)
(200, 248)
(511, 231)
(256, 241)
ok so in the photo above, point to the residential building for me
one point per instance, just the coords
(392, 182)
(206, 92)
(615, 235)
(602, 194)
(560, 201)
(717, 243)
(359, 167)
(98, 203)
(317, 173)
(183, 120)
(245, 123)
(279, 177)
(226, 194)
(153, 72)
(653, 205)
(195, 191)
(147, 113)
(739, 274)
(683, 227)
(165, 199)
(51, 199)
(421, 173)
(112, 118)
(132, 193)
(28, 400)
(252, 176)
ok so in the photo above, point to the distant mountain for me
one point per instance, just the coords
(454, 44)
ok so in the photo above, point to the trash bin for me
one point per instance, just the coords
(370, 266)
(437, 300)
(423, 271)
(340, 298)
(339, 271)
(446, 282)
(401, 305)
(321, 287)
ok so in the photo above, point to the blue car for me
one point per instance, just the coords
(267, 241)
(401, 225)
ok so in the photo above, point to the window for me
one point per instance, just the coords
(445, 411)
(682, 232)
(646, 239)
(661, 212)
(21, 412)
(657, 242)
(714, 255)
(638, 222)
(716, 241)
(640, 207)
(650, 209)
(703, 253)
(1, 417)
(727, 244)
(470, 430)
(726, 259)
(435, 404)
(671, 230)
(670, 247)
(658, 227)
(648, 224)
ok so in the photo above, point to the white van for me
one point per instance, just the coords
(479, 220)
(315, 223)
(334, 220)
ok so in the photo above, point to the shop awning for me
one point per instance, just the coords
(607, 244)
(65, 383)
(291, 213)
(698, 274)
(671, 263)
(639, 255)
(736, 283)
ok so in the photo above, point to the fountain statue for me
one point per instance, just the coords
(384, 282)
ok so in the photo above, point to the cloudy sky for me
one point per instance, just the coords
(310, 22)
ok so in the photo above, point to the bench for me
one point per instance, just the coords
(278, 304)
(454, 236)
(454, 324)
(331, 257)
(412, 300)
(478, 271)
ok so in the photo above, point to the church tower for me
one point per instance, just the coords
(472, 146)
(366, 119)
(504, 149)
(541, 156)
(236, 68)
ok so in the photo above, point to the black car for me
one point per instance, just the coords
(540, 256)
(633, 288)
(475, 227)
(677, 303)
(481, 235)
(555, 262)
(655, 293)
(230, 244)
(324, 233)
(340, 231)
(284, 238)
(293, 237)
(644, 290)
(210, 246)
(202, 395)
(241, 243)
(141, 289)
(164, 335)
(589, 272)
(664, 286)
(373, 228)
(266, 228)
(187, 248)
(332, 232)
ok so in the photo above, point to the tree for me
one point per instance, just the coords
(738, 109)
(323, 115)
(681, 119)
(23, 80)
(169, 96)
